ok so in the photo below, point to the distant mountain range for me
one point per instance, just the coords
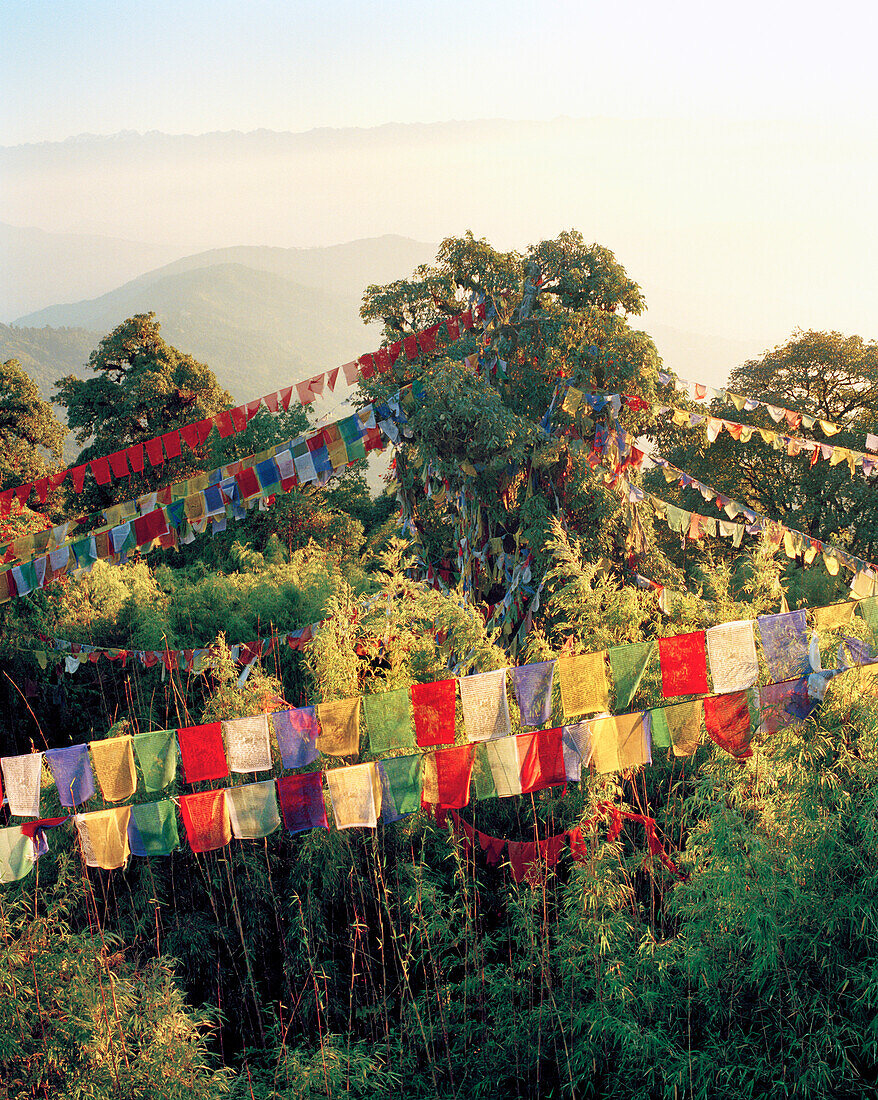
(263, 318)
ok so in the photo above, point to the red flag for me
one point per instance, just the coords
(271, 402)
(171, 441)
(202, 752)
(239, 418)
(101, 470)
(410, 346)
(154, 451)
(136, 457)
(433, 708)
(683, 659)
(727, 720)
(118, 463)
(541, 758)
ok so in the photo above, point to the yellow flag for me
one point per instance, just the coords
(584, 685)
(113, 762)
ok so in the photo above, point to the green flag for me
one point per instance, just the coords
(152, 830)
(628, 663)
(157, 757)
(389, 720)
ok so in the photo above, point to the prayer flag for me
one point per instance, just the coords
(202, 753)
(72, 773)
(732, 651)
(247, 745)
(434, 707)
(206, 818)
(400, 786)
(773, 704)
(355, 792)
(541, 758)
(152, 829)
(584, 685)
(785, 644)
(683, 725)
(533, 690)
(503, 761)
(389, 720)
(447, 777)
(628, 663)
(157, 756)
(619, 742)
(339, 727)
(103, 836)
(113, 762)
(253, 810)
(683, 660)
(21, 781)
(296, 731)
(834, 616)
(16, 854)
(301, 802)
(869, 611)
(727, 719)
(484, 704)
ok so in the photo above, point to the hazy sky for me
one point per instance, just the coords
(99, 66)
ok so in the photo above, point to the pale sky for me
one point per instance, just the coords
(100, 66)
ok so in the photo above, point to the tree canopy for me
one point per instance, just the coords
(31, 436)
(825, 374)
(480, 477)
(143, 388)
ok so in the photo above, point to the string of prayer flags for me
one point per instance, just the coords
(541, 760)
(202, 752)
(727, 720)
(447, 774)
(16, 855)
(584, 685)
(301, 802)
(400, 786)
(296, 732)
(206, 820)
(247, 746)
(683, 660)
(504, 767)
(389, 720)
(679, 726)
(152, 829)
(21, 782)
(731, 648)
(253, 810)
(484, 704)
(355, 793)
(103, 837)
(434, 711)
(628, 664)
(785, 644)
(339, 727)
(533, 690)
(113, 763)
(156, 753)
(72, 773)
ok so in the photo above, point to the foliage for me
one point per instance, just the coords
(31, 436)
(824, 374)
(142, 389)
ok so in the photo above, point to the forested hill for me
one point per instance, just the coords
(257, 330)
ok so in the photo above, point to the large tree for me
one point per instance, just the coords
(31, 436)
(142, 388)
(480, 475)
(825, 374)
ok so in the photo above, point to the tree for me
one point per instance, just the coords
(480, 478)
(826, 374)
(143, 388)
(31, 436)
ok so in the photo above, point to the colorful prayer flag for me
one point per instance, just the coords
(400, 786)
(113, 762)
(731, 647)
(253, 810)
(683, 660)
(296, 731)
(152, 829)
(103, 836)
(584, 685)
(484, 704)
(339, 727)
(389, 720)
(434, 710)
(202, 752)
(247, 745)
(206, 818)
(301, 802)
(72, 772)
(157, 756)
(628, 663)
(533, 690)
(355, 793)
